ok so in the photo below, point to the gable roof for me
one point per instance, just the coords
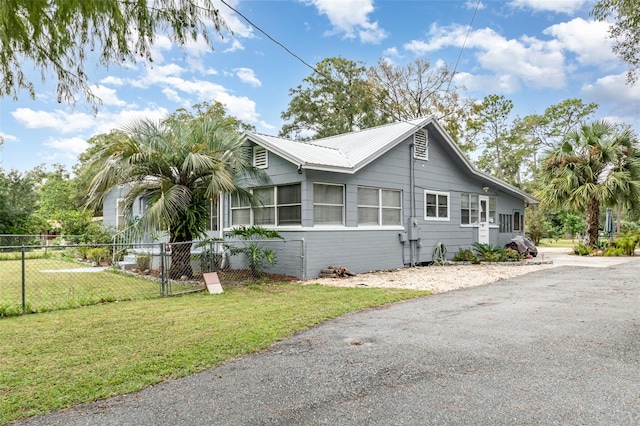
(349, 152)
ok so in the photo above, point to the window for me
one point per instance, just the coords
(260, 157)
(517, 221)
(120, 218)
(470, 211)
(213, 215)
(280, 205)
(328, 204)
(436, 205)
(421, 145)
(378, 206)
(506, 223)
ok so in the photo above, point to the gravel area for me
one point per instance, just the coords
(437, 279)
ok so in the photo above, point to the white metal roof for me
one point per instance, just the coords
(349, 152)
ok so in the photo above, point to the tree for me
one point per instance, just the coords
(596, 165)
(216, 111)
(18, 201)
(489, 121)
(178, 166)
(417, 90)
(59, 36)
(335, 99)
(625, 30)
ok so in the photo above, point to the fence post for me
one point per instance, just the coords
(24, 296)
(163, 276)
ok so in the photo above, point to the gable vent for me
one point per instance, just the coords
(260, 158)
(420, 145)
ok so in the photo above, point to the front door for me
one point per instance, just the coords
(483, 225)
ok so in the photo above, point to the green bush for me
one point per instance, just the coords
(98, 255)
(490, 253)
(512, 255)
(465, 255)
(582, 250)
(627, 244)
(614, 251)
(258, 257)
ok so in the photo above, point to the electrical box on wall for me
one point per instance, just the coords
(403, 237)
(414, 230)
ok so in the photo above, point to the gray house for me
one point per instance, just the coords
(381, 198)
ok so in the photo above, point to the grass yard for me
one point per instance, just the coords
(562, 243)
(56, 284)
(58, 359)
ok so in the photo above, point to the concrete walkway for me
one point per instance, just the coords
(557, 347)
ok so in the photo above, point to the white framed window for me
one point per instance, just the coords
(470, 211)
(328, 204)
(436, 205)
(120, 218)
(379, 207)
(280, 206)
(260, 157)
(421, 145)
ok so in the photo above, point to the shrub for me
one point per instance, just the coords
(614, 251)
(490, 253)
(257, 256)
(143, 261)
(513, 255)
(98, 254)
(465, 255)
(582, 250)
(627, 244)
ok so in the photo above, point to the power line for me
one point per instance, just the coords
(464, 43)
(328, 77)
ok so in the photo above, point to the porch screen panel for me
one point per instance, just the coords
(240, 211)
(328, 204)
(368, 206)
(289, 202)
(265, 214)
(391, 207)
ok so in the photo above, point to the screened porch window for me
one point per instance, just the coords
(328, 204)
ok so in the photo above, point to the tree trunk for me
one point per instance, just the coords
(593, 222)
(180, 261)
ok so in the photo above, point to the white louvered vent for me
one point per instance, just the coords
(260, 158)
(421, 145)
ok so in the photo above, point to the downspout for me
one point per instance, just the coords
(412, 207)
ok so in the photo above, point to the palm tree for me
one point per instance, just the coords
(596, 165)
(178, 165)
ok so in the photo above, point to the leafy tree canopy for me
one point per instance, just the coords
(625, 30)
(59, 36)
(334, 100)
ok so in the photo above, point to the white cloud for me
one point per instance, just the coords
(511, 62)
(624, 100)
(7, 138)
(350, 17)
(473, 4)
(587, 39)
(74, 145)
(114, 81)
(235, 46)
(58, 120)
(558, 6)
(107, 96)
(246, 75)
(238, 27)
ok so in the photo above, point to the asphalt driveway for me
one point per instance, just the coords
(558, 347)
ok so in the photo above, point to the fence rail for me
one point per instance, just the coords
(39, 278)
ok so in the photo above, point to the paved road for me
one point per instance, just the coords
(558, 348)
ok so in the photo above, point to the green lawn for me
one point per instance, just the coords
(51, 284)
(562, 243)
(58, 359)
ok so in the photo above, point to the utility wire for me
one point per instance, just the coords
(464, 43)
(329, 78)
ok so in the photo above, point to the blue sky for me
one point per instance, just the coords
(534, 52)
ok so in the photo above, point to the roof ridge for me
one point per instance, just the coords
(395, 123)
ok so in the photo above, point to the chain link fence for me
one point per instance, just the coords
(40, 278)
